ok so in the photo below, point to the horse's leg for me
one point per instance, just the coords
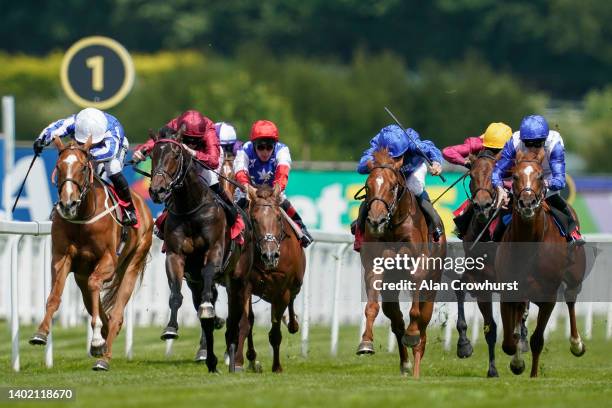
(235, 333)
(254, 365)
(523, 342)
(577, 346)
(206, 310)
(293, 325)
(393, 312)
(133, 269)
(412, 335)
(103, 271)
(464, 347)
(490, 332)
(175, 270)
(418, 351)
(371, 311)
(275, 337)
(536, 342)
(61, 267)
(512, 314)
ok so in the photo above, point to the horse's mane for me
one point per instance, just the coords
(265, 191)
(381, 156)
(529, 155)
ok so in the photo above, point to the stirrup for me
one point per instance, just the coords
(437, 233)
(129, 217)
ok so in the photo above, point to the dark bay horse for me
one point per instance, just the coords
(394, 216)
(277, 274)
(197, 237)
(482, 199)
(85, 238)
(533, 243)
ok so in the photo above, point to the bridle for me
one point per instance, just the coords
(539, 197)
(176, 180)
(87, 170)
(399, 188)
(268, 237)
(492, 192)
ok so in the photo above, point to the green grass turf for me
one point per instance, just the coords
(151, 380)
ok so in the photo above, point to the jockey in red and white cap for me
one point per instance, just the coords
(201, 141)
(265, 160)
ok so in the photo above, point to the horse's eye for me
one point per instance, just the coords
(515, 176)
(541, 177)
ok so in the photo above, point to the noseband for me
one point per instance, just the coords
(87, 171)
(398, 192)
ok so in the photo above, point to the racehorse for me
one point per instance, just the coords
(482, 199)
(394, 216)
(277, 274)
(198, 243)
(547, 257)
(85, 236)
(227, 171)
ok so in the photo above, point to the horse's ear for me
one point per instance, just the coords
(540, 156)
(251, 192)
(398, 162)
(471, 158)
(179, 134)
(88, 143)
(153, 135)
(277, 191)
(57, 141)
(370, 165)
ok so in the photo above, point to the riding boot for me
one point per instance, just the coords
(432, 217)
(292, 213)
(462, 222)
(570, 225)
(122, 189)
(230, 209)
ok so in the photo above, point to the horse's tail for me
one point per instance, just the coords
(112, 290)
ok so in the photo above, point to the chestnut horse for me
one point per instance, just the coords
(547, 257)
(277, 273)
(85, 237)
(394, 216)
(227, 171)
(197, 238)
(482, 199)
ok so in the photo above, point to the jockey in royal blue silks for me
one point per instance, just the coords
(534, 133)
(414, 168)
(108, 149)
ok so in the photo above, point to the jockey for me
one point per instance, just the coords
(227, 137)
(493, 140)
(200, 140)
(109, 146)
(265, 160)
(414, 168)
(534, 133)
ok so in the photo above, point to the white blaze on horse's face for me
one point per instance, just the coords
(528, 171)
(70, 160)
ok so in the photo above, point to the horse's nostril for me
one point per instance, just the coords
(276, 255)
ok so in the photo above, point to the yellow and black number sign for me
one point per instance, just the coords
(97, 72)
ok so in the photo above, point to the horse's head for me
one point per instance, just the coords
(383, 189)
(265, 213)
(528, 182)
(167, 163)
(74, 174)
(482, 193)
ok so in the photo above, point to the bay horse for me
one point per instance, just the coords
(277, 274)
(198, 243)
(394, 216)
(533, 242)
(482, 198)
(85, 236)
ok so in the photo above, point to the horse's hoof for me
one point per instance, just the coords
(293, 327)
(255, 367)
(200, 356)
(38, 339)
(206, 311)
(464, 349)
(100, 365)
(405, 368)
(365, 347)
(517, 368)
(523, 345)
(169, 333)
(577, 348)
(492, 373)
(411, 340)
(97, 351)
(219, 323)
(238, 369)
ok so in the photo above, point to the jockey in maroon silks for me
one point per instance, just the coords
(201, 141)
(494, 139)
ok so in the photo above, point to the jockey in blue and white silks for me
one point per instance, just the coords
(108, 149)
(414, 168)
(535, 133)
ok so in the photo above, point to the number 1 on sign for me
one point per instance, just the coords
(97, 72)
